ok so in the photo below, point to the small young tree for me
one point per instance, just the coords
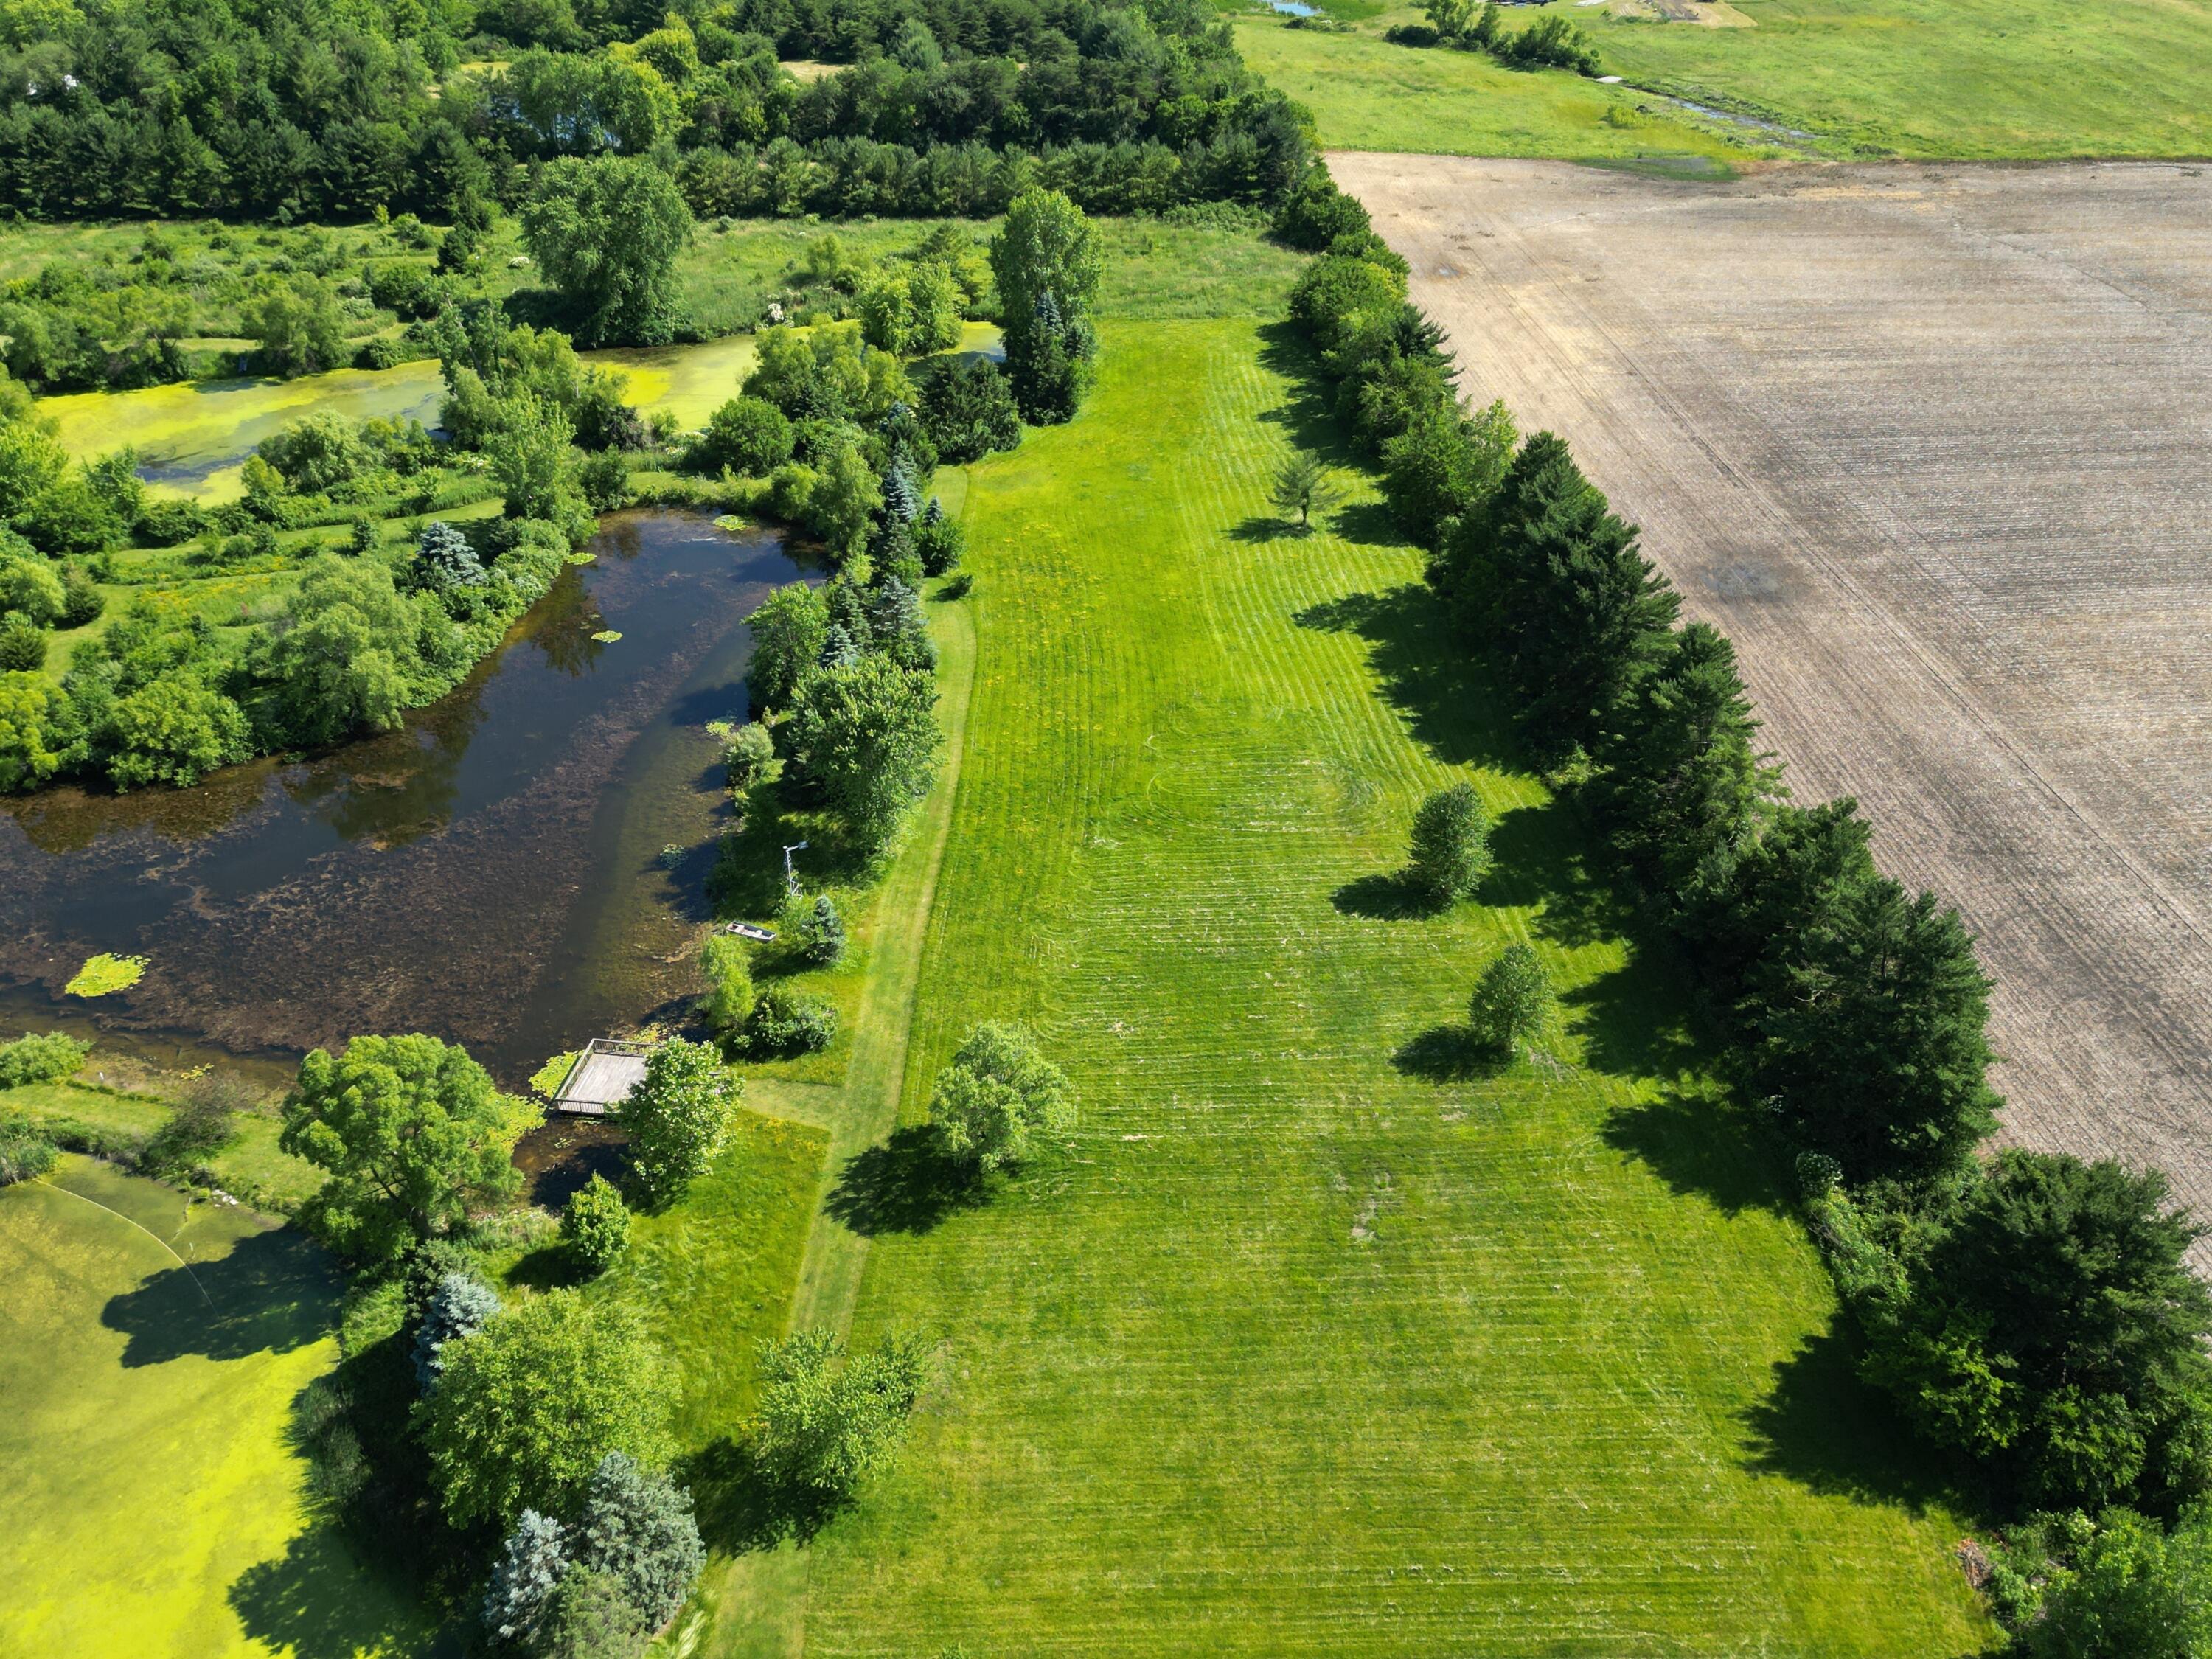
(784, 1022)
(728, 970)
(462, 1305)
(531, 1563)
(595, 1227)
(202, 1126)
(828, 1420)
(1451, 844)
(996, 1096)
(939, 541)
(677, 1116)
(1302, 487)
(529, 1405)
(638, 1528)
(1512, 1001)
(822, 933)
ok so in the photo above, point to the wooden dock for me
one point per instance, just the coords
(603, 1077)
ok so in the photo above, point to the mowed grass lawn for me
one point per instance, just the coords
(1967, 80)
(1291, 1350)
(153, 1505)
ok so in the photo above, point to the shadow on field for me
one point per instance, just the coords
(1449, 1053)
(1698, 1146)
(1823, 1427)
(310, 1602)
(901, 1185)
(272, 1294)
(1395, 897)
(740, 1507)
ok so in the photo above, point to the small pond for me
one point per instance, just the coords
(490, 873)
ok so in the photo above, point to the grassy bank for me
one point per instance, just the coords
(1312, 1341)
(1923, 79)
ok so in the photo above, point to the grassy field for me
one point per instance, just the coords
(153, 1505)
(251, 1163)
(1311, 1342)
(1930, 79)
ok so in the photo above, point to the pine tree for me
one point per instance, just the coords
(638, 1528)
(530, 1565)
(462, 1305)
(902, 501)
(444, 559)
(823, 934)
(1678, 785)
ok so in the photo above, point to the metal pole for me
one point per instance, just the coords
(790, 874)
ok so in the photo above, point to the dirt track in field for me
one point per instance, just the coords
(1934, 445)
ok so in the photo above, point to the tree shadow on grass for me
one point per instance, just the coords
(903, 1185)
(272, 1294)
(1262, 527)
(319, 1601)
(1698, 1144)
(741, 1507)
(1449, 1053)
(1395, 897)
(1427, 675)
(1824, 1428)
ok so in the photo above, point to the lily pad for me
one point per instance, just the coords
(608, 635)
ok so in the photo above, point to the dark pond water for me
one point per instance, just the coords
(490, 873)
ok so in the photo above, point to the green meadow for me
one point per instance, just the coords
(1314, 1338)
(1919, 79)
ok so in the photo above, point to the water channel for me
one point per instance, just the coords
(490, 873)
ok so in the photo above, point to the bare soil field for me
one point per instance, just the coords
(1934, 445)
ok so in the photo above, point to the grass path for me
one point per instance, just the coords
(1311, 1342)
(759, 1603)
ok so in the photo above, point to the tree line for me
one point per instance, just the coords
(2030, 1312)
(147, 107)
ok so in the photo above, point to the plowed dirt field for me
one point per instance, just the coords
(1934, 445)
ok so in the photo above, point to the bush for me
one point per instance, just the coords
(26, 1153)
(1451, 844)
(595, 1227)
(939, 541)
(748, 436)
(727, 967)
(171, 524)
(747, 752)
(1512, 1001)
(22, 644)
(202, 1126)
(47, 1057)
(785, 1022)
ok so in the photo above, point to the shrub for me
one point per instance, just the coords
(747, 752)
(727, 966)
(202, 1126)
(785, 1022)
(595, 1227)
(996, 1096)
(22, 644)
(47, 1057)
(967, 407)
(749, 435)
(171, 524)
(31, 589)
(26, 1153)
(678, 1116)
(82, 600)
(1512, 1001)
(939, 541)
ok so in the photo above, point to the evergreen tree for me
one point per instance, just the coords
(595, 1226)
(838, 650)
(1867, 1030)
(444, 559)
(901, 500)
(462, 1305)
(637, 1527)
(822, 933)
(1678, 786)
(1579, 612)
(531, 1565)
(938, 540)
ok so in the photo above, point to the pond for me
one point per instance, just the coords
(490, 873)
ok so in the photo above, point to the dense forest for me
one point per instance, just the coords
(257, 111)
